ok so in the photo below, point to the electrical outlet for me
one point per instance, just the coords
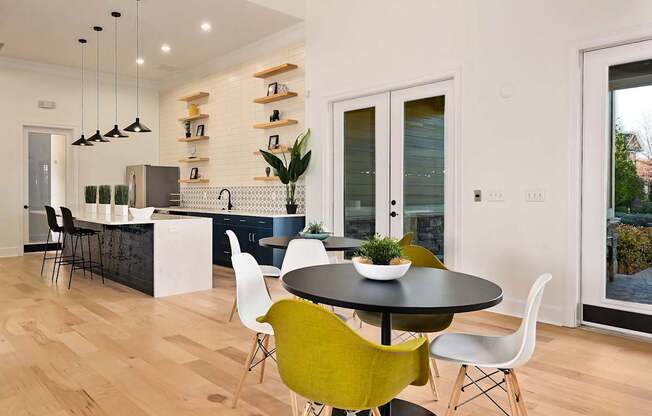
(535, 195)
(495, 196)
(477, 195)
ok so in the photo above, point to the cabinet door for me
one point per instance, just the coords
(263, 255)
(221, 246)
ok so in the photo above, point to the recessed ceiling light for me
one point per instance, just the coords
(205, 26)
(140, 61)
(165, 48)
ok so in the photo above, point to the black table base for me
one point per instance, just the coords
(399, 408)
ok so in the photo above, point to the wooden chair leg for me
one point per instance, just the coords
(233, 308)
(457, 391)
(520, 399)
(431, 378)
(306, 409)
(511, 395)
(247, 363)
(328, 411)
(375, 411)
(433, 363)
(294, 404)
(262, 365)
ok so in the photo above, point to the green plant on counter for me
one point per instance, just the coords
(90, 194)
(105, 194)
(381, 250)
(121, 194)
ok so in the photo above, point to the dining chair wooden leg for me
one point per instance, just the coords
(457, 391)
(520, 399)
(262, 365)
(511, 395)
(294, 404)
(431, 377)
(375, 411)
(306, 409)
(247, 363)
(328, 411)
(433, 362)
(233, 309)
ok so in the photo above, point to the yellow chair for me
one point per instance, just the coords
(421, 324)
(406, 240)
(320, 358)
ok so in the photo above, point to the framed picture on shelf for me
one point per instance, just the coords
(273, 142)
(272, 88)
(194, 173)
(200, 130)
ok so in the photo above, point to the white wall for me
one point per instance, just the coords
(509, 144)
(22, 85)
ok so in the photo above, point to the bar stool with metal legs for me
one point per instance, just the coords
(53, 227)
(77, 235)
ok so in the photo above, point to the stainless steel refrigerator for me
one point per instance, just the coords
(152, 186)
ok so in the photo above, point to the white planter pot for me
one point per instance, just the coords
(121, 210)
(104, 209)
(91, 207)
(380, 271)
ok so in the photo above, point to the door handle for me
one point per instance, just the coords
(393, 214)
(249, 238)
(253, 237)
(25, 206)
(393, 202)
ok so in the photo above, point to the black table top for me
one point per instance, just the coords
(421, 290)
(330, 244)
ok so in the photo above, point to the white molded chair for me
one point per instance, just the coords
(502, 353)
(253, 301)
(303, 252)
(266, 270)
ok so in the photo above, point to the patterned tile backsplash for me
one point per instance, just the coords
(249, 198)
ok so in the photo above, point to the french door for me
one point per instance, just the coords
(392, 152)
(617, 187)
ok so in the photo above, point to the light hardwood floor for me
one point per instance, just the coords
(108, 350)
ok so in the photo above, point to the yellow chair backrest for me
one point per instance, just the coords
(320, 358)
(406, 240)
(422, 257)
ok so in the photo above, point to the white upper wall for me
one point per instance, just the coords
(510, 144)
(296, 8)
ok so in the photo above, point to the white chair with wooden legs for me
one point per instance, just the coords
(503, 354)
(253, 301)
(270, 271)
(303, 252)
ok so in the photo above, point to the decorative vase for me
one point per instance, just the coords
(381, 271)
(91, 207)
(121, 210)
(291, 208)
(268, 171)
(104, 209)
(193, 110)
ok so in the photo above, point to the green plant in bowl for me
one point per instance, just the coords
(381, 258)
(90, 194)
(315, 230)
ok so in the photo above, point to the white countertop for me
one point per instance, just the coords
(97, 218)
(232, 212)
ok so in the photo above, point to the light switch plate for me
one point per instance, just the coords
(477, 195)
(535, 195)
(495, 195)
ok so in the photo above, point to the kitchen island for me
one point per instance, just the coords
(160, 256)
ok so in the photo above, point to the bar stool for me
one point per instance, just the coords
(53, 227)
(77, 235)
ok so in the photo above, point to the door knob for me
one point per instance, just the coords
(25, 206)
(393, 202)
(393, 214)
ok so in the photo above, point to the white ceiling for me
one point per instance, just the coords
(46, 31)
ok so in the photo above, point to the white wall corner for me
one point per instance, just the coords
(549, 314)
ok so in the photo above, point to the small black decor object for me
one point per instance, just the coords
(268, 170)
(276, 116)
(273, 142)
(272, 88)
(194, 173)
(200, 130)
(291, 208)
(188, 130)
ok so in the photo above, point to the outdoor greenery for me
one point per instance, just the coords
(121, 194)
(380, 250)
(634, 248)
(90, 194)
(629, 186)
(290, 172)
(105, 194)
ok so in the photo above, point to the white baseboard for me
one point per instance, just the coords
(10, 251)
(515, 307)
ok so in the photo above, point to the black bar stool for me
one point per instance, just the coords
(77, 235)
(53, 227)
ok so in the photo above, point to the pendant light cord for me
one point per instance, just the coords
(115, 67)
(82, 89)
(97, 79)
(137, 58)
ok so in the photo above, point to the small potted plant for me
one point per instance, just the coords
(290, 172)
(121, 199)
(381, 258)
(315, 230)
(90, 196)
(105, 199)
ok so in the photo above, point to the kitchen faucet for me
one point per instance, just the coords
(229, 205)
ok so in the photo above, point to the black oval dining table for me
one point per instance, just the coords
(422, 290)
(330, 244)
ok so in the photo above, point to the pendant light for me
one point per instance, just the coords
(115, 132)
(82, 141)
(97, 137)
(137, 126)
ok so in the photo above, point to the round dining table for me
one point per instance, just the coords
(422, 290)
(330, 244)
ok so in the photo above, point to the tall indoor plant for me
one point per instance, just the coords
(105, 199)
(290, 171)
(121, 200)
(90, 196)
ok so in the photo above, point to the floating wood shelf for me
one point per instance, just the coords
(192, 118)
(274, 124)
(192, 139)
(275, 97)
(195, 96)
(200, 180)
(266, 178)
(194, 159)
(280, 149)
(275, 70)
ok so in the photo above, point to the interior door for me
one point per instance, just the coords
(617, 187)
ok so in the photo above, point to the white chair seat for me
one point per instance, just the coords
(270, 271)
(476, 350)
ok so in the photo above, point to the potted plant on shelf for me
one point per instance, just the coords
(290, 171)
(90, 196)
(121, 199)
(381, 258)
(315, 230)
(105, 199)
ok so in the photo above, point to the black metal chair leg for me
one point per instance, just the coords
(72, 265)
(81, 244)
(56, 255)
(90, 258)
(99, 246)
(45, 252)
(63, 248)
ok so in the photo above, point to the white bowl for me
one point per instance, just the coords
(381, 272)
(141, 213)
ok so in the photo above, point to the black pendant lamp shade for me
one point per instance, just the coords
(137, 126)
(82, 140)
(115, 131)
(97, 137)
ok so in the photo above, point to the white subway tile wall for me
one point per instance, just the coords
(261, 198)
